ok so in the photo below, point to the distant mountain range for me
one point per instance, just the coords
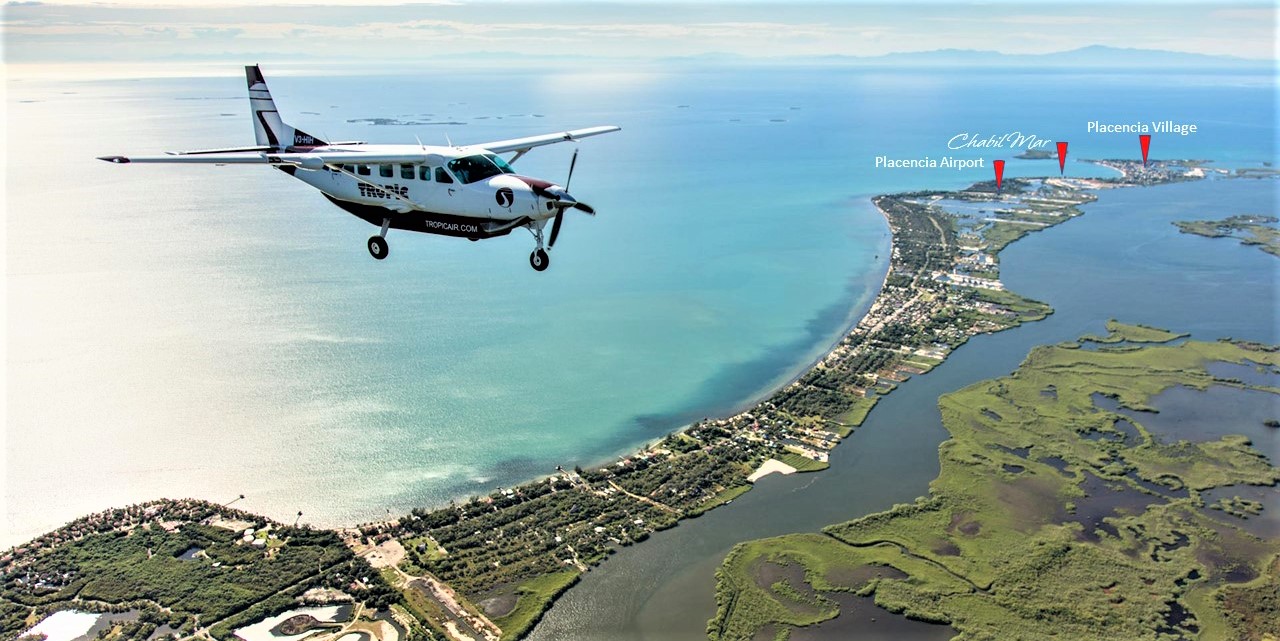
(1091, 56)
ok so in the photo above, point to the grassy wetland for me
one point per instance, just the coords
(1051, 517)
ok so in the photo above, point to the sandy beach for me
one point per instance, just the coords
(769, 467)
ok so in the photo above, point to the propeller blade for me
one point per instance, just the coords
(555, 228)
(585, 208)
(572, 163)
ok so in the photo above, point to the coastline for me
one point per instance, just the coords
(710, 448)
(855, 316)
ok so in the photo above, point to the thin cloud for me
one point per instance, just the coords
(342, 28)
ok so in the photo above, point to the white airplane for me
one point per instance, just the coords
(468, 191)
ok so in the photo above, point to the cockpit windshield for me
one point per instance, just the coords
(471, 169)
(502, 164)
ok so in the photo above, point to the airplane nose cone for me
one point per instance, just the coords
(552, 197)
(550, 202)
(558, 198)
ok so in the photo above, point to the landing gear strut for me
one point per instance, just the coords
(538, 260)
(378, 244)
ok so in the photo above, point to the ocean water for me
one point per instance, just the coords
(217, 331)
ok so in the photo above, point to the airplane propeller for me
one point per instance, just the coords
(555, 228)
(566, 202)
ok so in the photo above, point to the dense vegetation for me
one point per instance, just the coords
(138, 564)
(924, 240)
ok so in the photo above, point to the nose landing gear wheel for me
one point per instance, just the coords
(539, 260)
(378, 247)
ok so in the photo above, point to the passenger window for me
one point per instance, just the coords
(386, 171)
(363, 170)
(406, 172)
(424, 172)
(443, 176)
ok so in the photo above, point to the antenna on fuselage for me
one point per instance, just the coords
(446, 139)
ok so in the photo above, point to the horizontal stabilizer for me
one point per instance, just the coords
(219, 158)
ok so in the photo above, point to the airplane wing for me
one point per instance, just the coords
(306, 160)
(319, 158)
(522, 145)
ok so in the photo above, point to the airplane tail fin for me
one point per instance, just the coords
(268, 128)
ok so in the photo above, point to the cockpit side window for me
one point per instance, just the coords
(443, 176)
(424, 172)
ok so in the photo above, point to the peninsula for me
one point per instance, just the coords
(487, 568)
(1259, 231)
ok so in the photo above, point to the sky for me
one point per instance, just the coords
(329, 30)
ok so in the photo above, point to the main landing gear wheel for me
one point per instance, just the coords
(539, 260)
(378, 247)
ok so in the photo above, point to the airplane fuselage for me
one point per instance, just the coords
(448, 193)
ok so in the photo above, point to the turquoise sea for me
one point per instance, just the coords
(217, 331)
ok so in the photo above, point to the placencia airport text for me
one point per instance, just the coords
(946, 162)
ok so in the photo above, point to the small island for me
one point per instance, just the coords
(1256, 230)
(1036, 154)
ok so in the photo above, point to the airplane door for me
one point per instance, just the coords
(446, 181)
(448, 189)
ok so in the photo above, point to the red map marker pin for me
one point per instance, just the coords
(1062, 157)
(1145, 139)
(999, 165)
